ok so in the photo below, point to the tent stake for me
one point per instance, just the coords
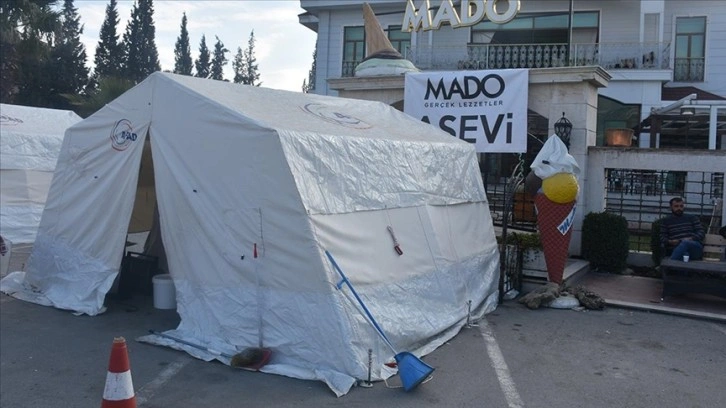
(368, 383)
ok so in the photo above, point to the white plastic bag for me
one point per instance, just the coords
(553, 159)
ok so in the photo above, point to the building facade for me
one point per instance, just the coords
(656, 51)
(664, 81)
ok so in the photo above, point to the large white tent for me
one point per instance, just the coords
(291, 174)
(30, 140)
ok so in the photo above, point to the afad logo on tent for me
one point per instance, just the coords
(122, 135)
(327, 114)
(6, 120)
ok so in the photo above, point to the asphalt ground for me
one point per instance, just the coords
(516, 357)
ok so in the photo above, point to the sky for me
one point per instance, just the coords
(283, 47)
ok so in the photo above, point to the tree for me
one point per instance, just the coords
(218, 61)
(182, 50)
(68, 56)
(108, 89)
(26, 32)
(202, 63)
(142, 58)
(239, 67)
(309, 86)
(245, 64)
(109, 56)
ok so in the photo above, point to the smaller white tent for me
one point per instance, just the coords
(30, 141)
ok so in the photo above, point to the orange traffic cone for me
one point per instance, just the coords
(119, 390)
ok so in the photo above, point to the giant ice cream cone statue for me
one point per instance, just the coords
(381, 58)
(555, 203)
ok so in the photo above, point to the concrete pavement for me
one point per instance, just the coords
(515, 358)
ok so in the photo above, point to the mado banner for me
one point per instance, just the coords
(487, 108)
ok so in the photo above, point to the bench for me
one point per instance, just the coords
(706, 276)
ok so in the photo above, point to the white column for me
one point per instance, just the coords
(713, 123)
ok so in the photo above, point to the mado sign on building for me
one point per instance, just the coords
(487, 108)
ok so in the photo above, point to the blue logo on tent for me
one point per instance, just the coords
(122, 135)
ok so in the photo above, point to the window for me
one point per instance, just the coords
(400, 40)
(675, 182)
(716, 185)
(539, 29)
(354, 42)
(612, 113)
(690, 49)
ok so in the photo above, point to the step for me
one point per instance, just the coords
(575, 270)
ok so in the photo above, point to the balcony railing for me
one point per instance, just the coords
(349, 68)
(646, 55)
(688, 70)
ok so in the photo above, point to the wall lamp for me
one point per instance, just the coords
(688, 111)
(563, 128)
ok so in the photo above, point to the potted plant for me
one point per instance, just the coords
(605, 241)
(618, 137)
(533, 260)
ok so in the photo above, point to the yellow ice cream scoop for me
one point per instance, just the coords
(560, 188)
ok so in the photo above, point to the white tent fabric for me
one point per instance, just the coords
(292, 175)
(30, 140)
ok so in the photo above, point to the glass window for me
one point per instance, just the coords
(519, 23)
(716, 185)
(353, 48)
(400, 40)
(538, 29)
(615, 114)
(675, 182)
(559, 21)
(690, 49)
(691, 25)
(586, 20)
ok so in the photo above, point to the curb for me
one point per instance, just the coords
(667, 310)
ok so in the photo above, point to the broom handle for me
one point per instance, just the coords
(360, 301)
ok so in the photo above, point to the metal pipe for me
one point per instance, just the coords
(674, 105)
(569, 31)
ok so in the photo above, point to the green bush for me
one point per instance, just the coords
(526, 240)
(657, 252)
(605, 241)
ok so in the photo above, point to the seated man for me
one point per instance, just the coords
(682, 233)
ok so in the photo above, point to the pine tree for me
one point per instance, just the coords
(309, 86)
(219, 60)
(68, 56)
(239, 67)
(182, 50)
(202, 63)
(142, 58)
(109, 51)
(252, 74)
(26, 32)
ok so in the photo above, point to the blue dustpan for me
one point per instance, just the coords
(412, 370)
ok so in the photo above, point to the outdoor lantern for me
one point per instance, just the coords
(563, 127)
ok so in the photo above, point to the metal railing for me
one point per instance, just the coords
(689, 69)
(641, 196)
(645, 55)
(348, 69)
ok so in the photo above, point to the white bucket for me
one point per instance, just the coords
(164, 292)
(5, 258)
